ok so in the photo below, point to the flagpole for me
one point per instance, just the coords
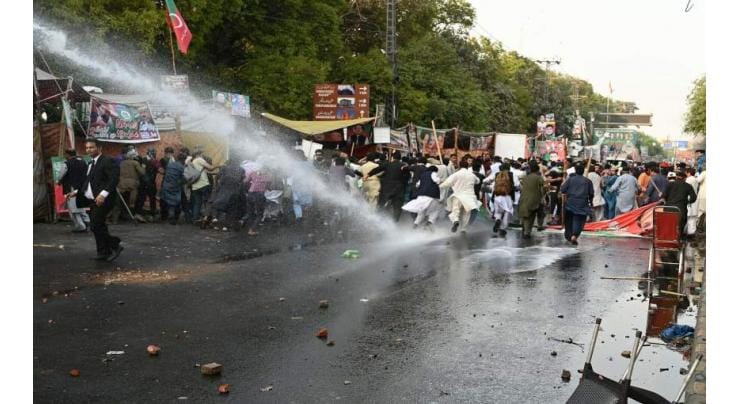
(172, 49)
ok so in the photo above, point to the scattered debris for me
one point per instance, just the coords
(532, 279)
(330, 343)
(553, 353)
(74, 373)
(565, 375)
(153, 350)
(268, 388)
(364, 300)
(560, 316)
(351, 254)
(323, 304)
(269, 327)
(683, 371)
(212, 368)
(115, 353)
(606, 265)
(223, 389)
(346, 382)
(296, 318)
(627, 354)
(323, 333)
(121, 302)
(44, 300)
(182, 398)
(282, 299)
(443, 393)
(664, 369)
(567, 341)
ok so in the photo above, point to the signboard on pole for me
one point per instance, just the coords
(382, 135)
(175, 83)
(341, 101)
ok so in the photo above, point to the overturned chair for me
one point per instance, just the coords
(597, 389)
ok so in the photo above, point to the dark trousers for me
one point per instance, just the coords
(146, 191)
(198, 198)
(255, 208)
(173, 213)
(163, 209)
(396, 202)
(573, 224)
(104, 242)
(185, 205)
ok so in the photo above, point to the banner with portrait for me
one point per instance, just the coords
(123, 123)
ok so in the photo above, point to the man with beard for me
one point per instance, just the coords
(98, 193)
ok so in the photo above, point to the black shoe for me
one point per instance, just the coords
(540, 228)
(454, 227)
(79, 230)
(100, 257)
(116, 253)
(502, 233)
(526, 236)
(496, 225)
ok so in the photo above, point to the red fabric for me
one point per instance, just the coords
(178, 26)
(629, 221)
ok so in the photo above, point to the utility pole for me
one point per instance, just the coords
(390, 47)
(548, 63)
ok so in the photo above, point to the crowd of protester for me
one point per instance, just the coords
(185, 186)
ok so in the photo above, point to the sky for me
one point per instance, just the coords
(651, 51)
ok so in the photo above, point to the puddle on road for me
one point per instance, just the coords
(514, 260)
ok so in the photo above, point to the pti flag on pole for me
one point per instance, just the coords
(176, 22)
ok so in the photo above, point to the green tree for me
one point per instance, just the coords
(695, 121)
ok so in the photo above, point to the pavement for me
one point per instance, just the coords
(696, 391)
(418, 317)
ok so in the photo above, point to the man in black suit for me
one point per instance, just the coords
(99, 193)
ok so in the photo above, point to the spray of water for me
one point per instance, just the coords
(254, 141)
(513, 260)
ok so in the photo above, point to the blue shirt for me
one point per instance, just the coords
(580, 192)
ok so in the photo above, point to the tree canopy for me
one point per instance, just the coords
(695, 121)
(276, 51)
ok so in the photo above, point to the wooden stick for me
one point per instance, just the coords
(667, 292)
(439, 149)
(458, 158)
(352, 150)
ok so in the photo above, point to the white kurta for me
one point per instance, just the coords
(596, 180)
(462, 184)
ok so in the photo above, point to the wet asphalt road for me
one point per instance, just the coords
(419, 318)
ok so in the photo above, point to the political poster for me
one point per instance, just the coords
(398, 140)
(550, 150)
(617, 144)
(123, 123)
(546, 126)
(341, 101)
(482, 143)
(236, 104)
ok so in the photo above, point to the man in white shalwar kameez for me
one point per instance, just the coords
(463, 199)
(693, 209)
